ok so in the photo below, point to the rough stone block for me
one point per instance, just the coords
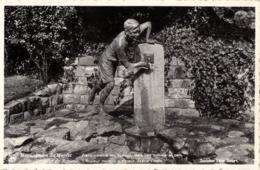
(172, 113)
(59, 107)
(178, 93)
(68, 88)
(177, 72)
(46, 92)
(59, 88)
(81, 89)
(82, 80)
(181, 83)
(24, 103)
(53, 88)
(45, 101)
(49, 110)
(14, 107)
(34, 102)
(27, 115)
(6, 117)
(37, 112)
(87, 61)
(70, 106)
(71, 98)
(17, 118)
(54, 100)
(79, 107)
(84, 99)
(85, 70)
(180, 103)
(60, 99)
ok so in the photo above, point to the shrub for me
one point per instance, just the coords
(223, 69)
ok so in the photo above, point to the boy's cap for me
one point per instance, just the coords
(130, 24)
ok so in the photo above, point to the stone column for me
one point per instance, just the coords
(149, 111)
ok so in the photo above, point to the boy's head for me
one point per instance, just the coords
(132, 29)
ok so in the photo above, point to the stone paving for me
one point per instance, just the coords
(69, 137)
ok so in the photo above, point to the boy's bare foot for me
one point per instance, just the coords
(104, 115)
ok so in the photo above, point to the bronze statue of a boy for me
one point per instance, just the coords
(114, 54)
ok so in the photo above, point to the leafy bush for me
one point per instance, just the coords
(223, 69)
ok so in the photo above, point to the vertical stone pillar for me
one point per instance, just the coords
(149, 111)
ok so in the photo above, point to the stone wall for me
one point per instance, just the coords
(74, 94)
(42, 102)
(178, 101)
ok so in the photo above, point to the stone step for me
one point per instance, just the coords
(173, 113)
(179, 103)
(178, 72)
(181, 83)
(85, 70)
(178, 93)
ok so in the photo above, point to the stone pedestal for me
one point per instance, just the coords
(149, 111)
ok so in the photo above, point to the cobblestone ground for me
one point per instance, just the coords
(83, 137)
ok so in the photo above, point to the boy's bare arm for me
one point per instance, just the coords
(148, 27)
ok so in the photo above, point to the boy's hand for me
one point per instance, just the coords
(150, 41)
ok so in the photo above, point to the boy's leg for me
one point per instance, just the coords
(96, 89)
(105, 93)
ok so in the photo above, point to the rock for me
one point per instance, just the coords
(233, 134)
(133, 143)
(34, 102)
(81, 130)
(6, 117)
(36, 112)
(14, 107)
(40, 161)
(176, 93)
(116, 150)
(45, 141)
(179, 103)
(81, 89)
(63, 112)
(71, 98)
(173, 113)
(119, 140)
(49, 110)
(43, 93)
(171, 134)
(239, 153)
(58, 133)
(16, 118)
(215, 141)
(204, 150)
(217, 127)
(84, 99)
(35, 129)
(25, 103)
(108, 126)
(236, 140)
(77, 148)
(17, 142)
(53, 88)
(56, 122)
(16, 131)
(249, 125)
(54, 100)
(178, 143)
(27, 115)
